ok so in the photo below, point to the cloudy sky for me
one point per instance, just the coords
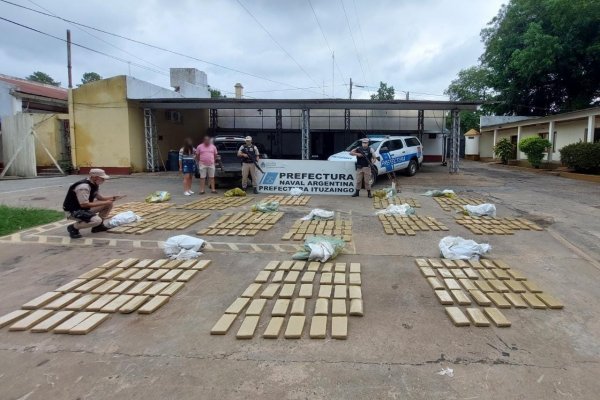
(276, 47)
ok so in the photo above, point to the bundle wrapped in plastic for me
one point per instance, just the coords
(394, 209)
(320, 248)
(296, 192)
(386, 193)
(236, 192)
(457, 248)
(317, 213)
(266, 206)
(480, 210)
(440, 193)
(158, 197)
(126, 217)
(183, 247)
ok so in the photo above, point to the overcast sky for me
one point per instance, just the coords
(414, 45)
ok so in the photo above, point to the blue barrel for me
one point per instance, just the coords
(173, 160)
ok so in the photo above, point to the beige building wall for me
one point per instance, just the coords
(194, 124)
(486, 145)
(568, 132)
(49, 132)
(101, 126)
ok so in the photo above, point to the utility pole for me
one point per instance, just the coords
(407, 95)
(69, 58)
(333, 74)
(350, 89)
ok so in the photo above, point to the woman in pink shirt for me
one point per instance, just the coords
(207, 155)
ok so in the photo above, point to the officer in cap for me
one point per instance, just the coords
(364, 160)
(86, 205)
(250, 157)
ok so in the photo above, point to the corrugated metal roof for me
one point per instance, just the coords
(36, 88)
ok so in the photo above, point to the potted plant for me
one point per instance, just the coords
(534, 148)
(504, 149)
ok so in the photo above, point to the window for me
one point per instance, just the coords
(411, 142)
(395, 144)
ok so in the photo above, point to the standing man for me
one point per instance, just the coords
(364, 159)
(206, 154)
(250, 157)
(86, 205)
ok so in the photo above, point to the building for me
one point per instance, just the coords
(560, 130)
(33, 104)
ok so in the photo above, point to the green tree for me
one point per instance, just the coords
(89, 77)
(384, 92)
(216, 93)
(534, 147)
(42, 77)
(471, 85)
(543, 56)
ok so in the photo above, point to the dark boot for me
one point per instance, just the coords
(99, 228)
(356, 193)
(255, 191)
(369, 194)
(73, 233)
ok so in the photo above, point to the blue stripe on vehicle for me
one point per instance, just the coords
(388, 162)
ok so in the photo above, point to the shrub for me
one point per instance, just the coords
(582, 157)
(534, 147)
(504, 149)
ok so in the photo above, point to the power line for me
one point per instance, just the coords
(158, 47)
(85, 47)
(99, 38)
(276, 42)
(353, 41)
(325, 38)
(285, 90)
(364, 43)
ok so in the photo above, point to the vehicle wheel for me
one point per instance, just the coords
(412, 168)
(374, 174)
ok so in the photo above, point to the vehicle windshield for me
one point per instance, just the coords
(357, 143)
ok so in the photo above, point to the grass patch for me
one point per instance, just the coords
(14, 219)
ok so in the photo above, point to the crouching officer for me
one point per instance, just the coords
(86, 205)
(364, 159)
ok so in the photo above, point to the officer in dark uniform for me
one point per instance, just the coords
(364, 159)
(250, 157)
(84, 204)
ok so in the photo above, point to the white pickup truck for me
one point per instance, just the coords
(394, 153)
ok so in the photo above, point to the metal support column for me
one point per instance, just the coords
(306, 134)
(278, 131)
(214, 120)
(453, 165)
(420, 124)
(150, 141)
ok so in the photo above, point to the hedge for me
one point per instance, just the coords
(582, 157)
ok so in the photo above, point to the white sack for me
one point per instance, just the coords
(320, 251)
(393, 209)
(126, 217)
(296, 192)
(457, 248)
(183, 247)
(317, 213)
(481, 210)
(438, 193)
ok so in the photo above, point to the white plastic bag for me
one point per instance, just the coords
(481, 210)
(457, 248)
(296, 192)
(126, 217)
(393, 209)
(321, 251)
(183, 247)
(439, 193)
(317, 213)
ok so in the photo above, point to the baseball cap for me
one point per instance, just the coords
(99, 173)
(248, 138)
(364, 140)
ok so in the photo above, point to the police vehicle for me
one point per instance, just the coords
(394, 153)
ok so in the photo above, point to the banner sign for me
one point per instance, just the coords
(314, 177)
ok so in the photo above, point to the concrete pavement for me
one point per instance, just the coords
(394, 351)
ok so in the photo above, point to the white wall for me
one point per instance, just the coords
(486, 145)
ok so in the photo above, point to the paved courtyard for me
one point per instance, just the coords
(394, 351)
